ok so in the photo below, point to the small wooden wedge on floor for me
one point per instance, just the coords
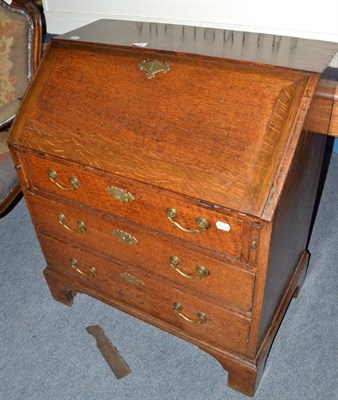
(115, 361)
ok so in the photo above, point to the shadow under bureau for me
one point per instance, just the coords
(177, 181)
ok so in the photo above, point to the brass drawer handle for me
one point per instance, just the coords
(73, 181)
(74, 263)
(120, 194)
(201, 317)
(202, 222)
(82, 227)
(202, 272)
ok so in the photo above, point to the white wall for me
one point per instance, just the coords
(301, 18)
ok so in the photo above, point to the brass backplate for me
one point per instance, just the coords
(131, 279)
(120, 194)
(124, 237)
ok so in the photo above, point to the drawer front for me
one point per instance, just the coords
(127, 285)
(140, 203)
(147, 250)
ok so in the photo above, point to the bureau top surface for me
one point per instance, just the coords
(284, 51)
(209, 128)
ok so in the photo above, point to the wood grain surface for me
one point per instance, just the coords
(149, 208)
(98, 236)
(233, 141)
(224, 329)
(141, 129)
(334, 118)
(222, 285)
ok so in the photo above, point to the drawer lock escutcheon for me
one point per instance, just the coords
(92, 270)
(202, 222)
(201, 317)
(152, 67)
(124, 237)
(120, 194)
(132, 280)
(74, 182)
(201, 271)
(81, 226)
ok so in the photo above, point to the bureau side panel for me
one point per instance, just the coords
(334, 118)
(291, 224)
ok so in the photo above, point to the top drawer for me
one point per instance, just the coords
(140, 203)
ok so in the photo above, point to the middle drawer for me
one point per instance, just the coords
(148, 250)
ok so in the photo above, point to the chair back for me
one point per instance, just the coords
(20, 52)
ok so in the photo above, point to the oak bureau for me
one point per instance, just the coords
(172, 172)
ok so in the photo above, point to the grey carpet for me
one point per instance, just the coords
(45, 352)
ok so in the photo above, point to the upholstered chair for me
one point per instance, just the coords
(20, 52)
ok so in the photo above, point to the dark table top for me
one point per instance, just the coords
(283, 51)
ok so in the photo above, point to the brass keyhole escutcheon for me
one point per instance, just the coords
(153, 67)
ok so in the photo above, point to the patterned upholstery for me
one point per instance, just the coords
(20, 49)
(13, 63)
(8, 177)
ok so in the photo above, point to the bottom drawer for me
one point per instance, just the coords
(198, 318)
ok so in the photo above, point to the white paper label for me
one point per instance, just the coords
(8, 2)
(140, 44)
(223, 226)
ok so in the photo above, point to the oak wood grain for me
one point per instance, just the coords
(333, 131)
(61, 286)
(290, 227)
(222, 285)
(149, 127)
(224, 329)
(150, 209)
(234, 141)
